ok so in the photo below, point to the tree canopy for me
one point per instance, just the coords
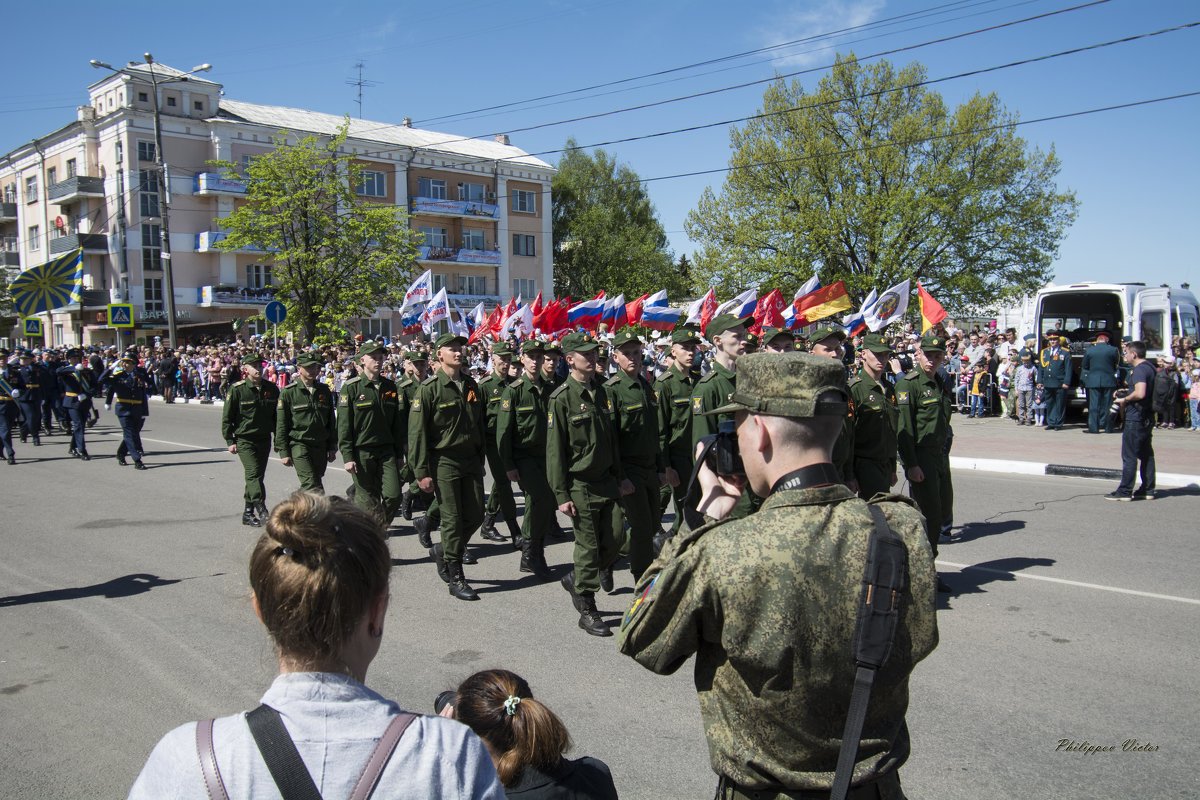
(870, 179)
(336, 256)
(606, 231)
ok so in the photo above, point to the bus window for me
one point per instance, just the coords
(1187, 323)
(1152, 329)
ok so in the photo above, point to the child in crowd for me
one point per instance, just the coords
(1004, 382)
(965, 376)
(981, 386)
(1039, 406)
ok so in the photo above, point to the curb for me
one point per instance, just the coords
(1172, 479)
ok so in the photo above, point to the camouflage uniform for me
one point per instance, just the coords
(768, 604)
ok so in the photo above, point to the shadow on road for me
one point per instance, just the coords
(974, 579)
(125, 586)
(978, 530)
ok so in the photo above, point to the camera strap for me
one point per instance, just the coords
(691, 516)
(823, 474)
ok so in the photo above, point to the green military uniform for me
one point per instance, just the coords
(248, 420)
(446, 443)
(635, 418)
(371, 433)
(875, 420)
(408, 391)
(844, 447)
(305, 427)
(768, 605)
(583, 467)
(674, 397)
(925, 404)
(500, 499)
(521, 446)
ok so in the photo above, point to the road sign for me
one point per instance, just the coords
(120, 315)
(276, 312)
(32, 326)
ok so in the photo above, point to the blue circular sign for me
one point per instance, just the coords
(276, 312)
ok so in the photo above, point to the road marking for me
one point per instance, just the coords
(1117, 589)
(224, 450)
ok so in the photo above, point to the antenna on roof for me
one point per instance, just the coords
(360, 82)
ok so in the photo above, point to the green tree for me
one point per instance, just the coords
(871, 179)
(337, 256)
(606, 231)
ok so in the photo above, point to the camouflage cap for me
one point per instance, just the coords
(416, 355)
(788, 385)
(553, 348)
(578, 343)
(449, 340)
(685, 336)
(723, 323)
(876, 344)
(310, 359)
(369, 346)
(533, 346)
(502, 348)
(932, 343)
(626, 336)
(826, 331)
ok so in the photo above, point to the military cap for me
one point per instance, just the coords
(685, 336)
(24, 353)
(932, 343)
(825, 331)
(625, 336)
(876, 344)
(1102, 332)
(1063, 340)
(310, 359)
(128, 357)
(367, 347)
(752, 341)
(578, 343)
(449, 340)
(553, 347)
(771, 334)
(1029, 337)
(788, 385)
(722, 323)
(74, 352)
(252, 360)
(533, 346)
(501, 348)
(416, 355)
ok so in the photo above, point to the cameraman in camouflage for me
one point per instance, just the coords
(768, 603)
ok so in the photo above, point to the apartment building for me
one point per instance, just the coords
(483, 207)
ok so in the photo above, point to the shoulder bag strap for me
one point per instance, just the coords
(208, 761)
(279, 752)
(380, 755)
(884, 579)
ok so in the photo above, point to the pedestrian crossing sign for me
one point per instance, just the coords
(120, 315)
(32, 326)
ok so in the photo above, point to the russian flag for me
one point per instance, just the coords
(614, 314)
(587, 313)
(741, 306)
(657, 315)
(856, 323)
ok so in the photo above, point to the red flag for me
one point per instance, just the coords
(505, 313)
(708, 309)
(824, 302)
(769, 313)
(931, 310)
(490, 325)
(536, 308)
(634, 310)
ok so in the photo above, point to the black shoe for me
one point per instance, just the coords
(83, 456)
(421, 525)
(439, 560)
(24, 437)
(262, 512)
(568, 583)
(1150, 495)
(468, 559)
(121, 460)
(248, 517)
(12, 460)
(37, 442)
(459, 588)
(406, 500)
(72, 451)
(590, 620)
(533, 560)
(606, 579)
(488, 529)
(1118, 496)
(138, 465)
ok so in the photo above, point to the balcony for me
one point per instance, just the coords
(232, 296)
(75, 188)
(454, 208)
(212, 184)
(206, 242)
(458, 255)
(90, 242)
(8, 212)
(10, 252)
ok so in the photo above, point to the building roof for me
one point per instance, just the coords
(300, 120)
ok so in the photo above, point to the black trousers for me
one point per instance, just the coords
(1137, 448)
(131, 444)
(1099, 403)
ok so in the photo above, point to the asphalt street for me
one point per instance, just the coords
(124, 612)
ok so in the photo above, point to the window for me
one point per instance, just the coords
(373, 184)
(1152, 329)
(376, 327)
(472, 284)
(524, 287)
(148, 194)
(10, 193)
(151, 248)
(34, 240)
(473, 192)
(31, 190)
(59, 233)
(523, 244)
(9, 244)
(432, 188)
(198, 105)
(439, 283)
(473, 240)
(52, 176)
(435, 237)
(525, 202)
(1187, 323)
(170, 102)
(258, 276)
(145, 150)
(153, 303)
(72, 170)
(143, 97)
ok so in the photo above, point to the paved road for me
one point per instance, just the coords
(124, 612)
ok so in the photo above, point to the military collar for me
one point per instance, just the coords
(866, 376)
(812, 496)
(723, 370)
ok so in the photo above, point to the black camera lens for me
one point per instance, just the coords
(444, 699)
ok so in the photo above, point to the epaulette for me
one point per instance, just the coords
(429, 380)
(408, 381)
(239, 383)
(913, 375)
(562, 387)
(349, 381)
(515, 384)
(711, 374)
(853, 380)
(613, 381)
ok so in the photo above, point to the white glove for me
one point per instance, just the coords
(107, 407)
(16, 393)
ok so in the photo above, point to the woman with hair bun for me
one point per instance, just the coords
(527, 741)
(319, 575)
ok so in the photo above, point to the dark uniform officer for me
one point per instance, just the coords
(1098, 374)
(521, 444)
(11, 387)
(925, 404)
(1056, 377)
(247, 422)
(875, 419)
(674, 398)
(52, 407)
(305, 427)
(411, 493)
(768, 605)
(583, 467)
(79, 386)
(500, 500)
(372, 434)
(129, 385)
(635, 417)
(30, 400)
(445, 442)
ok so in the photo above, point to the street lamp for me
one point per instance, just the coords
(161, 167)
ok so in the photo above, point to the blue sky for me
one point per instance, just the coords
(1135, 171)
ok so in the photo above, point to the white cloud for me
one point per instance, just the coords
(815, 20)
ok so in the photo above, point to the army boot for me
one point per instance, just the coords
(406, 500)
(249, 517)
(589, 618)
(514, 535)
(606, 579)
(568, 583)
(533, 560)
(488, 528)
(459, 588)
(439, 560)
(263, 513)
(421, 526)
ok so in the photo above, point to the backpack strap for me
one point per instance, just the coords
(884, 578)
(208, 761)
(380, 755)
(281, 756)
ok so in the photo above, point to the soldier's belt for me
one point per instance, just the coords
(130, 402)
(70, 394)
(33, 386)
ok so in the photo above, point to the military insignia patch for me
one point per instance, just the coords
(471, 396)
(416, 404)
(505, 404)
(550, 418)
(343, 400)
(697, 404)
(643, 600)
(362, 398)
(902, 398)
(583, 408)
